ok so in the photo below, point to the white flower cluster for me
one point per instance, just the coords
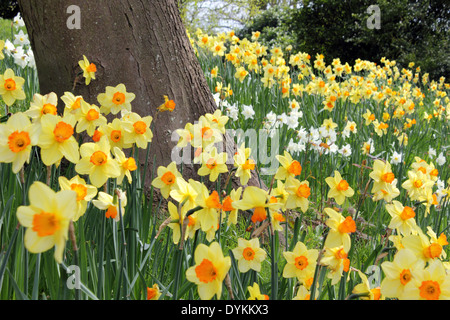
(20, 49)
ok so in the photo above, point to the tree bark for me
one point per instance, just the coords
(142, 44)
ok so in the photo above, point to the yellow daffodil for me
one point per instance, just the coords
(97, 162)
(47, 218)
(213, 164)
(72, 103)
(168, 105)
(340, 229)
(399, 272)
(56, 139)
(402, 218)
(431, 283)
(185, 193)
(365, 288)
(299, 192)
(110, 203)
(244, 165)
(42, 105)
(116, 134)
(17, 136)
(137, 130)
(289, 167)
(176, 224)
(337, 262)
(417, 185)
(115, 99)
(89, 118)
(300, 261)
(302, 294)
(211, 205)
(89, 69)
(339, 188)
(255, 293)
(167, 179)
(209, 271)
(11, 87)
(257, 199)
(85, 192)
(126, 165)
(249, 254)
(227, 205)
(153, 293)
(425, 247)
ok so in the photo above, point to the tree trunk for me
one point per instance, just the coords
(142, 44)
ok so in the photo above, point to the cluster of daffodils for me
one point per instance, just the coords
(387, 96)
(59, 137)
(19, 48)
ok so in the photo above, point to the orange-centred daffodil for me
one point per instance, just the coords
(11, 87)
(47, 218)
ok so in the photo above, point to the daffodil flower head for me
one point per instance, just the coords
(249, 255)
(89, 118)
(47, 218)
(115, 99)
(167, 179)
(137, 129)
(11, 87)
(168, 105)
(209, 271)
(110, 204)
(17, 136)
(300, 261)
(289, 167)
(340, 230)
(56, 139)
(213, 164)
(255, 293)
(89, 69)
(42, 105)
(85, 192)
(97, 162)
(126, 165)
(339, 188)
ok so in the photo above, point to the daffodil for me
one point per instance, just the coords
(417, 185)
(116, 134)
(11, 87)
(2, 46)
(126, 165)
(42, 105)
(302, 294)
(110, 203)
(339, 188)
(399, 272)
(402, 218)
(176, 224)
(115, 99)
(85, 192)
(167, 179)
(211, 206)
(72, 103)
(213, 164)
(289, 167)
(255, 293)
(17, 136)
(249, 254)
(337, 262)
(227, 205)
(89, 118)
(382, 175)
(425, 247)
(56, 139)
(209, 271)
(89, 69)
(258, 200)
(185, 193)
(47, 218)
(137, 130)
(299, 192)
(244, 165)
(168, 105)
(431, 283)
(153, 293)
(366, 290)
(300, 261)
(97, 162)
(340, 229)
